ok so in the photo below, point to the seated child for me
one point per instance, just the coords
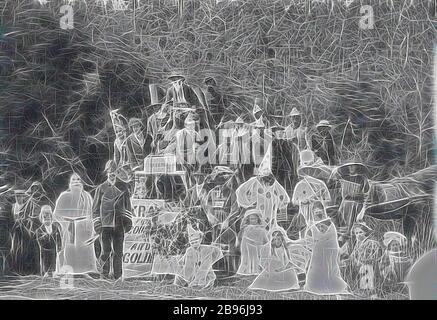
(195, 267)
(278, 270)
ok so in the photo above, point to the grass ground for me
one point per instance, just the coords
(33, 287)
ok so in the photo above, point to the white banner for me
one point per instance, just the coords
(137, 253)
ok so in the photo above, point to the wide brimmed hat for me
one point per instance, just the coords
(176, 75)
(324, 123)
(345, 169)
(393, 236)
(294, 112)
(318, 172)
(393, 209)
(362, 226)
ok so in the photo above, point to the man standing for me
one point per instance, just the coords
(112, 219)
(137, 144)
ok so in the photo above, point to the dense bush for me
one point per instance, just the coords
(57, 85)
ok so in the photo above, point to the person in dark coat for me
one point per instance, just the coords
(323, 143)
(49, 237)
(112, 219)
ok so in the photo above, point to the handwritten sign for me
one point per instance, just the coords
(138, 255)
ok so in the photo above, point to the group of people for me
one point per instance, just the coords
(239, 215)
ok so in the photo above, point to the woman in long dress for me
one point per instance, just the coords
(73, 211)
(278, 270)
(324, 276)
(253, 236)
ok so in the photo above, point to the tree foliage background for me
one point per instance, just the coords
(57, 86)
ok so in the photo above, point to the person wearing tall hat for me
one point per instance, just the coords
(261, 137)
(323, 142)
(195, 268)
(258, 114)
(112, 219)
(353, 177)
(265, 193)
(185, 96)
(6, 224)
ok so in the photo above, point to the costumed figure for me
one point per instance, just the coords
(196, 264)
(361, 257)
(73, 211)
(49, 237)
(253, 236)
(308, 190)
(278, 269)
(264, 193)
(323, 276)
(395, 263)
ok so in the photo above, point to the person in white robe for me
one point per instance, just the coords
(73, 211)
(278, 269)
(323, 276)
(252, 237)
(264, 193)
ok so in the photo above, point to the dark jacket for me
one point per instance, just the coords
(112, 207)
(323, 146)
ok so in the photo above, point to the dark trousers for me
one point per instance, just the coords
(48, 259)
(112, 240)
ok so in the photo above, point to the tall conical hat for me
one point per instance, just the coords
(256, 107)
(265, 167)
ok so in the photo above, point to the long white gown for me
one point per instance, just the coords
(254, 237)
(276, 276)
(73, 211)
(324, 276)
